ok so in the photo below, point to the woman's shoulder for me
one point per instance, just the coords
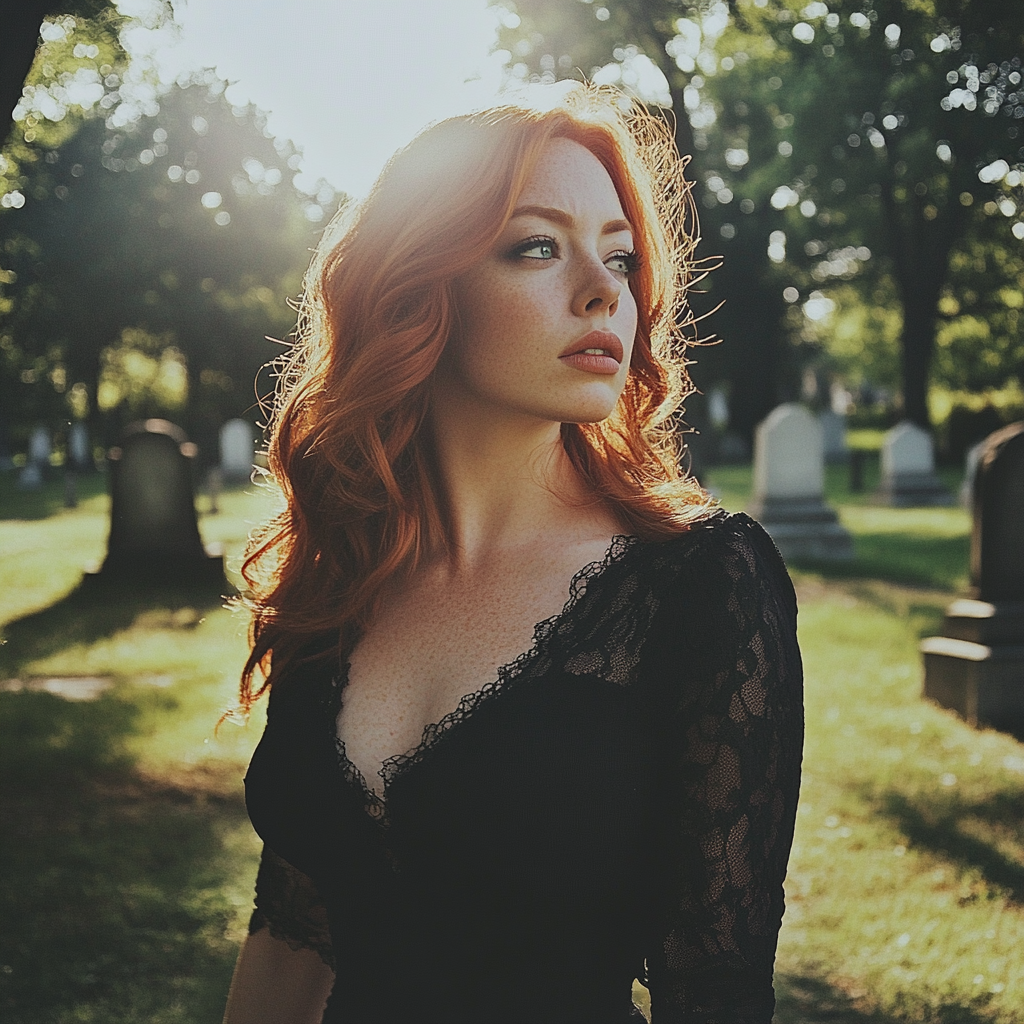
(718, 563)
(717, 542)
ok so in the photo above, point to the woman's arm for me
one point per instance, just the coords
(284, 972)
(275, 984)
(734, 738)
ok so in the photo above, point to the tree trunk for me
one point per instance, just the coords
(920, 250)
(917, 344)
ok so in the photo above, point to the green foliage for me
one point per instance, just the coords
(837, 146)
(167, 213)
(78, 66)
(143, 373)
(862, 337)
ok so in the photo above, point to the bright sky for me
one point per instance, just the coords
(348, 81)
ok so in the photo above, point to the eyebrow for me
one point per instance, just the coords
(561, 217)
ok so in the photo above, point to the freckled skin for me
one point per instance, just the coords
(443, 633)
(519, 315)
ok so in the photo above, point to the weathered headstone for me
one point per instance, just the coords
(718, 408)
(236, 450)
(79, 455)
(154, 535)
(971, 460)
(789, 487)
(976, 667)
(40, 448)
(908, 469)
(833, 436)
(77, 460)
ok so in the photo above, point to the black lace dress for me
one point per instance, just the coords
(619, 804)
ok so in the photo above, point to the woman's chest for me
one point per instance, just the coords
(551, 781)
(433, 645)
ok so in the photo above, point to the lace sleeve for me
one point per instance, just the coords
(734, 729)
(287, 902)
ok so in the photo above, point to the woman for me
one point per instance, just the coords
(473, 435)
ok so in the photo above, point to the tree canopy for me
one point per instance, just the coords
(149, 241)
(857, 149)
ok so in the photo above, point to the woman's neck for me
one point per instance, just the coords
(507, 480)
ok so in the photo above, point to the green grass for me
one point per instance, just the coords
(127, 860)
(913, 546)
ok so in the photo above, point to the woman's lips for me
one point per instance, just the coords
(597, 352)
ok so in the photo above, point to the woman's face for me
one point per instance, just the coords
(547, 318)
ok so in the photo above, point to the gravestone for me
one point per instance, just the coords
(971, 460)
(908, 469)
(718, 408)
(789, 487)
(154, 535)
(79, 455)
(833, 436)
(40, 448)
(237, 450)
(976, 667)
(77, 460)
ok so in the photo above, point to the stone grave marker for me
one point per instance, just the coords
(976, 667)
(154, 535)
(237, 450)
(971, 460)
(79, 455)
(40, 448)
(789, 487)
(833, 436)
(908, 469)
(77, 460)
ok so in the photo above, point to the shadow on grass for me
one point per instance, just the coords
(90, 612)
(804, 999)
(48, 500)
(115, 893)
(981, 838)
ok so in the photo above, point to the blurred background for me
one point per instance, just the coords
(857, 168)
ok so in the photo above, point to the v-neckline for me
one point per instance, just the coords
(396, 765)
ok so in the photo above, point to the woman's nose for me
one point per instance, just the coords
(598, 289)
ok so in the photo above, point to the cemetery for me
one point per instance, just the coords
(856, 292)
(111, 696)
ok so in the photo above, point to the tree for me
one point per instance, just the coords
(872, 134)
(903, 127)
(174, 219)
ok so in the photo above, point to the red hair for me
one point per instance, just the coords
(346, 444)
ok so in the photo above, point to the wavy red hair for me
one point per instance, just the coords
(346, 444)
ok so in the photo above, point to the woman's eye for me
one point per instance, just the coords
(537, 249)
(624, 263)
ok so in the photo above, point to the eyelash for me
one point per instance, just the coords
(631, 259)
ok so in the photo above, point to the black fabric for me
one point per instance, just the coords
(619, 804)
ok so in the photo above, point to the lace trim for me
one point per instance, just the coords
(543, 633)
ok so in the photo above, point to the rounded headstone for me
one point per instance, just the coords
(788, 457)
(237, 450)
(997, 538)
(907, 451)
(79, 455)
(152, 507)
(971, 460)
(40, 447)
(833, 433)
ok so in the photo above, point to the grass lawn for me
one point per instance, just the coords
(127, 860)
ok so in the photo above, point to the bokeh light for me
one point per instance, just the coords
(348, 83)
